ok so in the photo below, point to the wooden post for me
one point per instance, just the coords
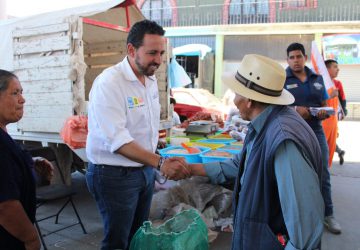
(65, 159)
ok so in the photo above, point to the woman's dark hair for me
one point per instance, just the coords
(5, 77)
(139, 29)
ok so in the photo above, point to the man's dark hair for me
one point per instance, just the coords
(329, 62)
(295, 46)
(139, 29)
(5, 77)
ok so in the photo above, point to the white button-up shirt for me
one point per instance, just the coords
(121, 110)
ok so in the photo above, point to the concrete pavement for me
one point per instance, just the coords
(345, 182)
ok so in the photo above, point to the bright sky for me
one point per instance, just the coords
(31, 7)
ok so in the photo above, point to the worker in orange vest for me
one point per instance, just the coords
(330, 125)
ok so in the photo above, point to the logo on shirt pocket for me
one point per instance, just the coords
(318, 86)
(135, 102)
(292, 86)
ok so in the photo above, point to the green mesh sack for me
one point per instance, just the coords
(185, 231)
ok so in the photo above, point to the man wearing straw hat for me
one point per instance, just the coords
(277, 200)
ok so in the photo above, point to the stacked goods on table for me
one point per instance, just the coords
(218, 148)
(218, 153)
(237, 128)
(234, 149)
(204, 144)
(215, 155)
(182, 152)
(226, 141)
(237, 143)
(188, 138)
(176, 141)
(202, 116)
(202, 127)
(177, 151)
(221, 136)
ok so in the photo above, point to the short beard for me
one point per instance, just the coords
(143, 70)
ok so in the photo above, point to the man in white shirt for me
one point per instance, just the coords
(124, 117)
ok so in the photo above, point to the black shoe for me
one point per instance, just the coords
(341, 157)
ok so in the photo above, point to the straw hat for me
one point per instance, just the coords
(261, 79)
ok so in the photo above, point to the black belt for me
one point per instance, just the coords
(122, 167)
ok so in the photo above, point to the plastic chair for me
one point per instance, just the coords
(53, 192)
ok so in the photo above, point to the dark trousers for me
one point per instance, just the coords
(123, 196)
(325, 182)
(338, 149)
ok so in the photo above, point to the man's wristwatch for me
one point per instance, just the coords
(161, 162)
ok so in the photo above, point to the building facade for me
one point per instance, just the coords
(216, 12)
(233, 28)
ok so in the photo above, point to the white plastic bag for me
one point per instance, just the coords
(178, 76)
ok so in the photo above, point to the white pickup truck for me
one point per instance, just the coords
(57, 56)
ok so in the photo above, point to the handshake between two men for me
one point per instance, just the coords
(176, 168)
